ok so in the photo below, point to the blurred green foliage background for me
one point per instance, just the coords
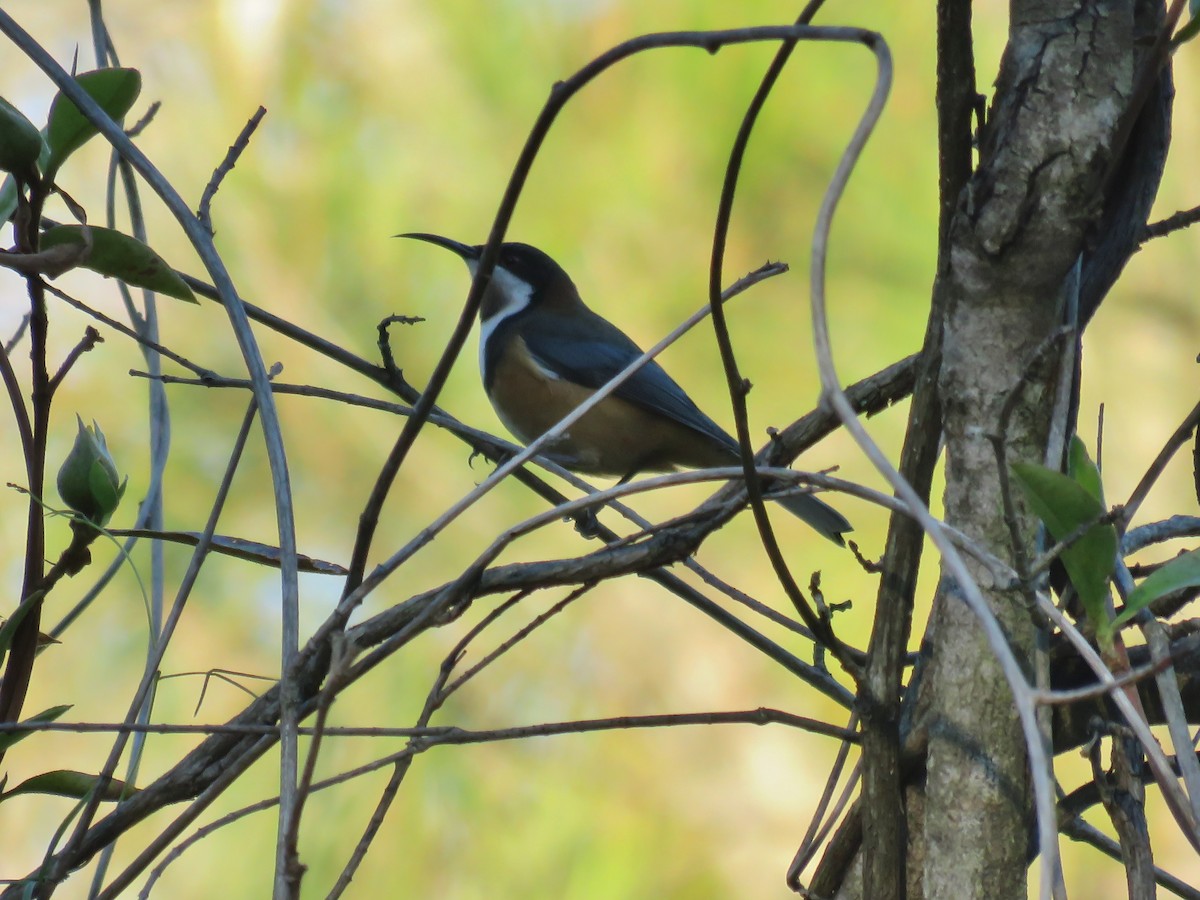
(387, 117)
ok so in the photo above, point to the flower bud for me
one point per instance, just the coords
(88, 481)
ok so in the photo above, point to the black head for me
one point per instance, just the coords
(524, 276)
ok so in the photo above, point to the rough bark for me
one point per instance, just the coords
(1063, 86)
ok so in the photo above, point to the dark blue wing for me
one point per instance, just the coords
(589, 350)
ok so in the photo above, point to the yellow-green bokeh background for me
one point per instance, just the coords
(388, 117)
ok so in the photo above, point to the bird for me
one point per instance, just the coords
(543, 351)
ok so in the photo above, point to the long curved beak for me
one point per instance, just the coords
(465, 251)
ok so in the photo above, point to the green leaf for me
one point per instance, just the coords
(114, 91)
(8, 199)
(9, 628)
(49, 715)
(69, 783)
(120, 256)
(8, 190)
(1083, 471)
(1188, 31)
(20, 143)
(1065, 505)
(1181, 572)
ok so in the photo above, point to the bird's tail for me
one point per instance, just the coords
(819, 514)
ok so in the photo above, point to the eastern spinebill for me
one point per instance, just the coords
(542, 352)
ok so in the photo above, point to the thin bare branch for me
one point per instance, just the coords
(236, 149)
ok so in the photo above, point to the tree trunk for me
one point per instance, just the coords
(1064, 83)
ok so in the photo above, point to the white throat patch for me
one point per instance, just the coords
(517, 296)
